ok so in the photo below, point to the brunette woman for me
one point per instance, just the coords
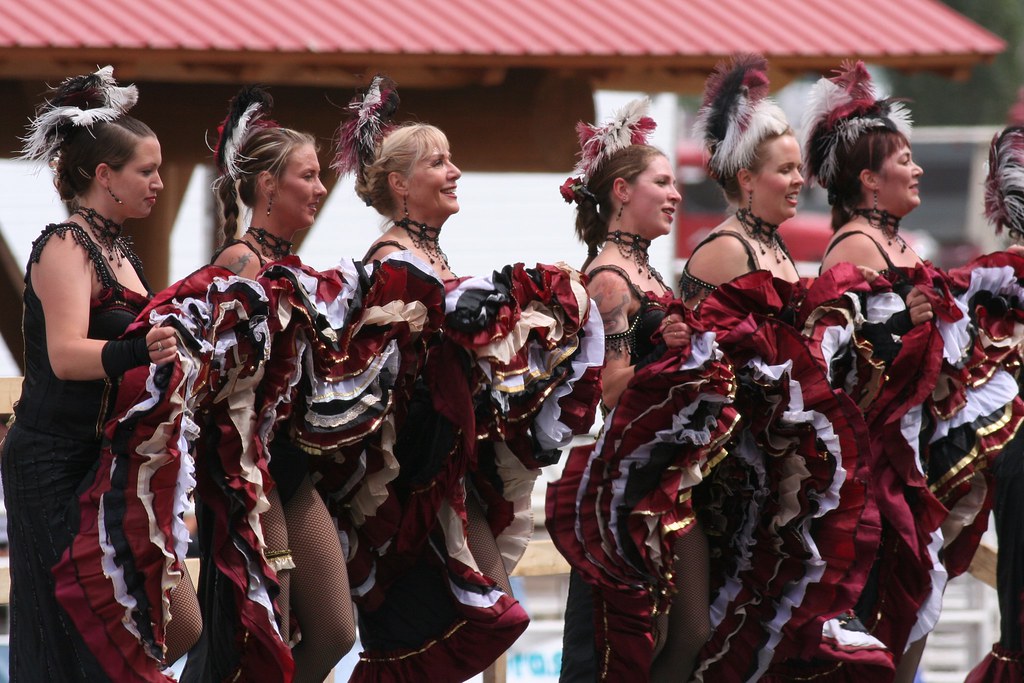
(271, 174)
(83, 287)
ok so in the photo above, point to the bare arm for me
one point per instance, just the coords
(240, 260)
(719, 261)
(63, 279)
(613, 301)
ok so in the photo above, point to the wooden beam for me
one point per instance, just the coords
(429, 70)
(12, 287)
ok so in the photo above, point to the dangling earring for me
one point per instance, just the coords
(116, 199)
(874, 200)
(750, 202)
(405, 205)
(270, 204)
(618, 216)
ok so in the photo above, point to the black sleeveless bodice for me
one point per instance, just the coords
(72, 408)
(636, 340)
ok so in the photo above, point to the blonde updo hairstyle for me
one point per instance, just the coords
(399, 152)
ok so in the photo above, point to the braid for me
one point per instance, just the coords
(591, 228)
(227, 195)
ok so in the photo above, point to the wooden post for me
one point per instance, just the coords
(152, 236)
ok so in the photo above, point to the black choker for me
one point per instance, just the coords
(271, 246)
(633, 246)
(886, 222)
(106, 232)
(425, 237)
(761, 231)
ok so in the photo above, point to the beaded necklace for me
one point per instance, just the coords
(633, 246)
(271, 246)
(107, 233)
(765, 234)
(425, 237)
(888, 224)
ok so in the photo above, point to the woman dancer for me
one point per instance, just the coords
(1004, 207)
(931, 438)
(84, 286)
(762, 181)
(626, 196)
(502, 388)
(273, 173)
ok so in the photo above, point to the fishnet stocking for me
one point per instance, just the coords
(683, 631)
(319, 587)
(275, 535)
(483, 546)
(186, 623)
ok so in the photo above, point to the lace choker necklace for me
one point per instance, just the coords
(106, 232)
(761, 231)
(426, 238)
(633, 246)
(887, 223)
(271, 246)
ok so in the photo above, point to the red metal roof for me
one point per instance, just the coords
(516, 30)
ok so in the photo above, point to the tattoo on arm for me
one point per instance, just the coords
(238, 266)
(615, 319)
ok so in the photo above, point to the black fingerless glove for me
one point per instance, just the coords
(121, 355)
(656, 353)
(899, 323)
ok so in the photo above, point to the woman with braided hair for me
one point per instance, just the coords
(84, 286)
(272, 174)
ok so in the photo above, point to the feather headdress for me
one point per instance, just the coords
(79, 101)
(630, 125)
(248, 111)
(370, 120)
(840, 109)
(1004, 186)
(736, 114)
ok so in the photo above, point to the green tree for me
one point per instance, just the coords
(986, 96)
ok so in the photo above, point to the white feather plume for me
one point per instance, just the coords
(41, 144)
(738, 149)
(121, 98)
(44, 138)
(602, 142)
(231, 155)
